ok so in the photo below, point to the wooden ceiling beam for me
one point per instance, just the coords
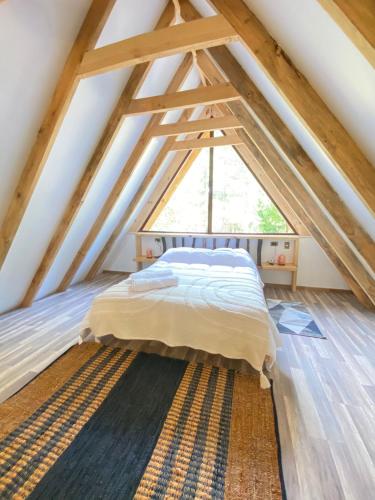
(161, 188)
(199, 34)
(86, 39)
(121, 182)
(284, 140)
(315, 115)
(270, 187)
(183, 100)
(220, 123)
(93, 167)
(173, 185)
(357, 19)
(212, 142)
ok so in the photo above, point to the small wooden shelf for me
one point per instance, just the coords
(250, 236)
(143, 258)
(275, 267)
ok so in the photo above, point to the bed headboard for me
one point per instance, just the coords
(210, 242)
(263, 248)
(252, 243)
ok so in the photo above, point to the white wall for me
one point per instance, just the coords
(315, 269)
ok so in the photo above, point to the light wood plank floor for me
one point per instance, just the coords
(324, 389)
(32, 338)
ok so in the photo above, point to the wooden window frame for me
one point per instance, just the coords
(210, 197)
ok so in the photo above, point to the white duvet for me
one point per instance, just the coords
(216, 308)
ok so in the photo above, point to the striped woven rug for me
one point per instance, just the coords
(108, 423)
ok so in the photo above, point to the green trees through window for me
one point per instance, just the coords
(239, 203)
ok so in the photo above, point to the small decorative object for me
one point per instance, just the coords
(271, 261)
(281, 260)
(149, 253)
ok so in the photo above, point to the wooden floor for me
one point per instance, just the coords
(325, 398)
(324, 389)
(30, 339)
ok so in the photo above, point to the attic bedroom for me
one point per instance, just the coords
(187, 251)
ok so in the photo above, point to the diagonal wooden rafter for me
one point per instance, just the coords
(211, 142)
(267, 183)
(327, 131)
(205, 125)
(308, 210)
(324, 239)
(357, 19)
(198, 34)
(270, 187)
(161, 188)
(173, 184)
(301, 201)
(122, 223)
(133, 205)
(284, 140)
(86, 39)
(120, 184)
(93, 167)
(183, 100)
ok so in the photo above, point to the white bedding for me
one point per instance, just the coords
(216, 308)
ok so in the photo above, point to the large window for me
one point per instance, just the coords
(237, 203)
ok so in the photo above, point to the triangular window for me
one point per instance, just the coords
(236, 202)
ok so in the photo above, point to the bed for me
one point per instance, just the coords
(217, 306)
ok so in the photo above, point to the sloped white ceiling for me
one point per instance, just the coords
(35, 38)
(318, 47)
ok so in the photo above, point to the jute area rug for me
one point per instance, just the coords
(104, 422)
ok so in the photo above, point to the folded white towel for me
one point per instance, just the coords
(142, 285)
(155, 273)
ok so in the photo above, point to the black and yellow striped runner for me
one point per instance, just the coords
(135, 425)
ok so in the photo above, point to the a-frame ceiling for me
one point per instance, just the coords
(299, 186)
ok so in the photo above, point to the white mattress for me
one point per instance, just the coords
(216, 308)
